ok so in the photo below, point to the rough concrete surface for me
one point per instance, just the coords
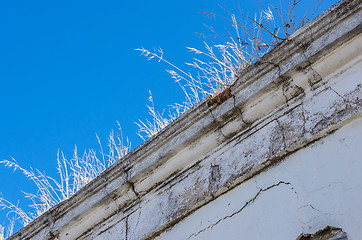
(278, 158)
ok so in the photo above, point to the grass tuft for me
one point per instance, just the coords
(73, 174)
(219, 65)
(216, 69)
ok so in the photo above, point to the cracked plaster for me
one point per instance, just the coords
(227, 155)
(288, 199)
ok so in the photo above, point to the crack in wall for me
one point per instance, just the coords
(127, 225)
(244, 206)
(348, 103)
(282, 132)
(240, 112)
(304, 131)
(314, 208)
(315, 77)
(286, 83)
(131, 185)
(325, 213)
(52, 234)
(127, 228)
(272, 63)
(218, 129)
(348, 106)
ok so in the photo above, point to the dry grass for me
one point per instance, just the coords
(73, 174)
(158, 121)
(14, 214)
(219, 65)
(217, 68)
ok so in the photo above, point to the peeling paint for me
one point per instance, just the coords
(288, 104)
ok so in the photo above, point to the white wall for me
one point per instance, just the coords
(317, 186)
(279, 158)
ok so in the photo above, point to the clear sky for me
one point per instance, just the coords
(68, 70)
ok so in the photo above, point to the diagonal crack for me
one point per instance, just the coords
(131, 185)
(325, 213)
(274, 64)
(244, 206)
(240, 112)
(219, 129)
(348, 103)
(127, 226)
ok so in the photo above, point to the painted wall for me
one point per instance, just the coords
(317, 186)
(280, 157)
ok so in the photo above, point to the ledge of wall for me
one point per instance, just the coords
(296, 94)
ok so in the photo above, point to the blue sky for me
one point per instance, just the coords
(68, 70)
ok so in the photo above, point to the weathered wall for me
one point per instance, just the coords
(280, 157)
(317, 186)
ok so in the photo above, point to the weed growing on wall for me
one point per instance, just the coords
(215, 70)
(218, 66)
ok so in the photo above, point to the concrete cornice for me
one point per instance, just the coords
(265, 94)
